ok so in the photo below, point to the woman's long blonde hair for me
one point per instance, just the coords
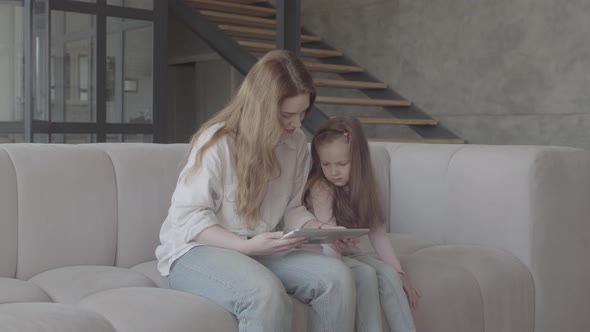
(252, 119)
(359, 206)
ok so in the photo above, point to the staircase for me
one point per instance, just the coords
(243, 30)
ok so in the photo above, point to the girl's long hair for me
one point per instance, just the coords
(360, 205)
(252, 119)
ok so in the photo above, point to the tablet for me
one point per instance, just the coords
(328, 235)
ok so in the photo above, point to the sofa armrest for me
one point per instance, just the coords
(533, 202)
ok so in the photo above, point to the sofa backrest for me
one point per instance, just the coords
(146, 176)
(8, 217)
(419, 189)
(66, 207)
(93, 204)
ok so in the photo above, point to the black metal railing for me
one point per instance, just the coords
(288, 37)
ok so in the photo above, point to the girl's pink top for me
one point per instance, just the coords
(320, 204)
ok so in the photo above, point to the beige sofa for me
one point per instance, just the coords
(495, 237)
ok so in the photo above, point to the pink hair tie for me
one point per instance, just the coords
(347, 134)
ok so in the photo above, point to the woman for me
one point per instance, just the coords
(245, 174)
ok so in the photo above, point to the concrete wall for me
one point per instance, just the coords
(494, 72)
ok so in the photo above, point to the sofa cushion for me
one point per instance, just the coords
(490, 289)
(450, 301)
(67, 207)
(380, 161)
(419, 189)
(9, 219)
(505, 284)
(300, 310)
(300, 316)
(71, 284)
(150, 270)
(157, 309)
(404, 244)
(146, 175)
(14, 290)
(50, 317)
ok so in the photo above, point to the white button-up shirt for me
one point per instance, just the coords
(208, 196)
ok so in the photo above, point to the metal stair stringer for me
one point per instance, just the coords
(230, 50)
(410, 112)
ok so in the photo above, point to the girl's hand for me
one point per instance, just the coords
(411, 292)
(270, 244)
(342, 245)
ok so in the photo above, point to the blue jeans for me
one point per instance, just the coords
(378, 288)
(256, 289)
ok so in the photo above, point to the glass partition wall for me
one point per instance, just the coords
(12, 94)
(81, 71)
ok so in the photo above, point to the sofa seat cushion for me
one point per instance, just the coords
(404, 244)
(157, 309)
(51, 317)
(450, 301)
(14, 290)
(71, 284)
(490, 289)
(150, 270)
(300, 316)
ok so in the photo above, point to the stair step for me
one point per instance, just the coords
(361, 101)
(240, 31)
(324, 67)
(265, 47)
(229, 7)
(398, 121)
(238, 19)
(229, 11)
(348, 84)
(420, 140)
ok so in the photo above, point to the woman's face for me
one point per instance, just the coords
(292, 112)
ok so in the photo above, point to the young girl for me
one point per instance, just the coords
(342, 191)
(245, 173)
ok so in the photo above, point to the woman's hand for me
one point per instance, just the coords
(411, 292)
(270, 244)
(328, 251)
(342, 245)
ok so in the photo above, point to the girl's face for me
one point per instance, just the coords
(335, 161)
(292, 112)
